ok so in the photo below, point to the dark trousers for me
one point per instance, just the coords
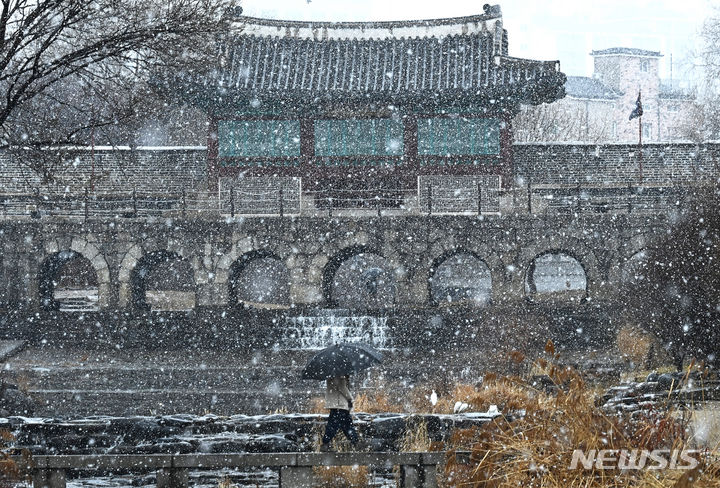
(340, 420)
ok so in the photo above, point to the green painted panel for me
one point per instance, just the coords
(458, 136)
(254, 163)
(355, 137)
(357, 162)
(258, 138)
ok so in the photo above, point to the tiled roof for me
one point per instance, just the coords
(591, 88)
(453, 66)
(670, 92)
(630, 51)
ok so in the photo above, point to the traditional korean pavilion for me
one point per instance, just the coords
(367, 104)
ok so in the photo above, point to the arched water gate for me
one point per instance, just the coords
(162, 280)
(259, 278)
(68, 281)
(359, 277)
(460, 277)
(556, 275)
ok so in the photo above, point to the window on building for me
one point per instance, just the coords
(614, 129)
(451, 136)
(365, 137)
(647, 131)
(673, 107)
(258, 138)
(644, 65)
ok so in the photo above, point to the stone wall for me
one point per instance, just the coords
(149, 170)
(169, 170)
(617, 164)
(411, 246)
(186, 434)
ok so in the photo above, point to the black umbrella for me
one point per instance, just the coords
(341, 360)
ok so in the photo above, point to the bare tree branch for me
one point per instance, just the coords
(68, 67)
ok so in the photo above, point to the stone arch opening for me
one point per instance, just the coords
(359, 277)
(556, 275)
(68, 282)
(460, 277)
(163, 281)
(259, 278)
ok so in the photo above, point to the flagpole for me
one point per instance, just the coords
(638, 112)
(640, 155)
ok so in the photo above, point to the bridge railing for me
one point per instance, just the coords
(569, 200)
(417, 469)
(290, 200)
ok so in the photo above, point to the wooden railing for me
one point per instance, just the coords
(417, 469)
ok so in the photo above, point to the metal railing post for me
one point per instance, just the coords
(134, 202)
(232, 202)
(184, 204)
(578, 197)
(429, 191)
(37, 203)
(479, 202)
(529, 197)
(86, 204)
(280, 196)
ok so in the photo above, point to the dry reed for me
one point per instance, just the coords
(535, 450)
(416, 437)
(342, 476)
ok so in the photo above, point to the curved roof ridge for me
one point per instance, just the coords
(376, 29)
(439, 38)
(382, 24)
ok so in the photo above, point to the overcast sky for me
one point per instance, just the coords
(566, 29)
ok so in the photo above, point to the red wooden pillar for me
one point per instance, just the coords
(307, 169)
(411, 162)
(212, 153)
(506, 153)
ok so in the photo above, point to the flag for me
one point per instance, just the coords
(638, 109)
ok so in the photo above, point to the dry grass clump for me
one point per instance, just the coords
(536, 449)
(416, 438)
(508, 393)
(375, 402)
(637, 346)
(9, 469)
(317, 405)
(341, 476)
(225, 482)
(505, 392)
(368, 402)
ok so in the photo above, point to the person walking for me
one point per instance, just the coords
(339, 401)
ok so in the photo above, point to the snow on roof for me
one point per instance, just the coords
(670, 92)
(441, 59)
(590, 88)
(626, 51)
(471, 63)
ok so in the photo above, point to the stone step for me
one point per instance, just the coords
(132, 358)
(78, 382)
(216, 378)
(156, 379)
(168, 402)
